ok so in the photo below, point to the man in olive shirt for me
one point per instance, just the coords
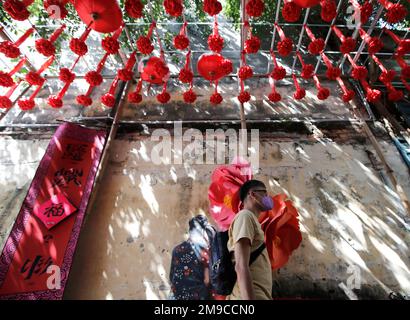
(245, 236)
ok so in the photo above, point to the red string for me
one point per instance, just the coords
(24, 37)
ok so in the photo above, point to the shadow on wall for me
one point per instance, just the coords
(348, 217)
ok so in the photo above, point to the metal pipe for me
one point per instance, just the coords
(302, 31)
(274, 32)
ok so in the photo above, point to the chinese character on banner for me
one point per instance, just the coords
(55, 210)
(75, 152)
(63, 177)
(37, 266)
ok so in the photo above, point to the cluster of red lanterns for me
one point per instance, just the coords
(105, 16)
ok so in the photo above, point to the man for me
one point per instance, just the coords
(245, 236)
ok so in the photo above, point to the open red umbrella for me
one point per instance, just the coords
(105, 15)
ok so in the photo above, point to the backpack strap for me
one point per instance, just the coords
(256, 253)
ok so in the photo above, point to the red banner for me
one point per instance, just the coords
(48, 225)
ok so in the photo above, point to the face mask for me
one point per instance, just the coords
(267, 203)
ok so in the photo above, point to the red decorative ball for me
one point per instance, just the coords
(163, 97)
(227, 66)
(161, 69)
(387, 76)
(16, 9)
(348, 45)
(45, 47)
(278, 73)
(212, 7)
(189, 96)
(405, 72)
(373, 95)
(299, 94)
(274, 96)
(173, 7)
(375, 45)
(244, 96)
(328, 12)
(5, 102)
(144, 45)
(285, 47)
(62, 11)
(291, 12)
(84, 100)
(110, 45)
(323, 93)
(34, 78)
(216, 98)
(349, 95)
(5, 79)
(26, 104)
(186, 75)
(9, 49)
(55, 102)
(359, 72)
(396, 13)
(125, 74)
(316, 46)
(66, 75)
(181, 42)
(134, 8)
(93, 78)
(252, 45)
(307, 71)
(365, 12)
(245, 72)
(254, 8)
(332, 73)
(78, 47)
(108, 100)
(134, 97)
(215, 43)
(395, 95)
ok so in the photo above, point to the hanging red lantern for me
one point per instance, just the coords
(348, 44)
(307, 69)
(46, 46)
(328, 12)
(6, 79)
(395, 11)
(181, 41)
(254, 8)
(403, 44)
(291, 11)
(101, 15)
(16, 9)
(300, 92)
(316, 45)
(306, 3)
(347, 94)
(285, 45)
(278, 72)
(212, 7)
(10, 49)
(134, 8)
(374, 44)
(153, 70)
(332, 72)
(173, 7)
(358, 72)
(210, 66)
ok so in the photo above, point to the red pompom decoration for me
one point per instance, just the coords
(134, 97)
(186, 75)
(278, 73)
(9, 49)
(323, 93)
(307, 71)
(359, 72)
(5, 79)
(372, 95)
(387, 76)
(328, 12)
(78, 47)
(227, 66)
(212, 7)
(163, 97)
(332, 73)
(291, 12)
(285, 47)
(66, 75)
(134, 8)
(93, 78)
(374, 45)
(244, 96)
(108, 100)
(34, 78)
(55, 102)
(348, 45)
(173, 7)
(5, 102)
(45, 47)
(348, 95)
(84, 100)
(189, 96)
(144, 45)
(316, 46)
(245, 72)
(366, 11)
(395, 13)
(216, 98)
(181, 42)
(252, 45)
(274, 96)
(110, 45)
(161, 69)
(215, 43)
(16, 9)
(254, 8)
(299, 94)
(26, 104)
(125, 74)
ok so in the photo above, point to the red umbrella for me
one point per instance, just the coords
(105, 15)
(306, 3)
(210, 66)
(153, 70)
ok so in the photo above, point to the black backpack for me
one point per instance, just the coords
(222, 274)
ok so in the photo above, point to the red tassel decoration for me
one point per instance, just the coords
(386, 75)
(57, 101)
(392, 93)
(186, 75)
(374, 44)
(372, 95)
(255, 8)
(285, 45)
(85, 99)
(189, 96)
(212, 7)
(109, 99)
(403, 44)
(16, 9)
(10, 49)
(29, 104)
(126, 74)
(300, 92)
(144, 44)
(332, 72)
(274, 96)
(216, 97)
(307, 69)
(322, 92)
(348, 44)
(46, 46)
(278, 72)
(395, 11)
(253, 43)
(347, 94)
(6, 79)
(173, 7)
(136, 97)
(358, 72)
(134, 8)
(291, 11)
(181, 41)
(35, 78)
(78, 46)
(366, 10)
(328, 12)
(110, 44)
(215, 41)
(316, 45)
(5, 102)
(164, 96)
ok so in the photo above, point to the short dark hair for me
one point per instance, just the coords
(247, 186)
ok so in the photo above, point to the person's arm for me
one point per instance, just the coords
(242, 255)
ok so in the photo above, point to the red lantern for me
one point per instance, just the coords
(102, 15)
(211, 66)
(153, 70)
(306, 3)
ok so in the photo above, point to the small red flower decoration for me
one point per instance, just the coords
(186, 75)
(5, 79)
(93, 78)
(252, 45)
(323, 93)
(66, 75)
(110, 45)
(244, 96)
(332, 73)
(278, 73)
(144, 45)
(316, 46)
(125, 74)
(328, 12)
(45, 47)
(55, 102)
(359, 72)
(173, 7)
(134, 97)
(5, 102)
(291, 12)
(181, 42)
(78, 47)
(9, 49)
(212, 7)
(108, 100)
(299, 94)
(134, 8)
(254, 8)
(189, 96)
(216, 98)
(285, 47)
(274, 96)
(215, 43)
(84, 100)
(26, 104)
(307, 71)
(163, 97)
(34, 78)
(245, 72)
